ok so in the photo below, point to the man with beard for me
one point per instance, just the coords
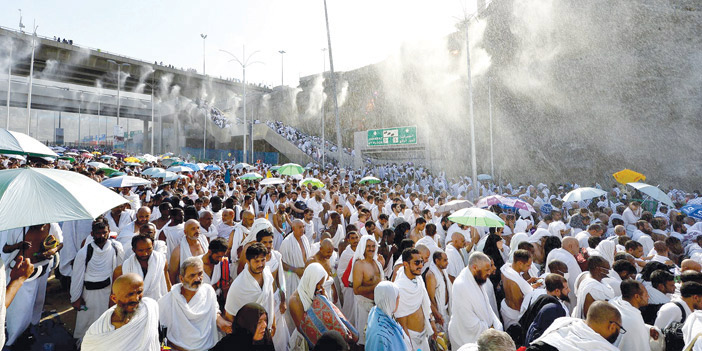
(192, 244)
(439, 288)
(546, 308)
(237, 237)
(225, 229)
(414, 308)
(216, 268)
(190, 313)
(90, 280)
(592, 288)
(119, 217)
(128, 232)
(598, 331)
(151, 265)
(634, 296)
(323, 257)
(294, 250)
(366, 272)
(469, 320)
(131, 324)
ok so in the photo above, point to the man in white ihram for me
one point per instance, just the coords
(469, 320)
(149, 264)
(253, 284)
(190, 312)
(131, 324)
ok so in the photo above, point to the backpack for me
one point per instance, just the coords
(673, 333)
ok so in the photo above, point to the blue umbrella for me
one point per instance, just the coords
(694, 211)
(213, 168)
(192, 166)
(227, 177)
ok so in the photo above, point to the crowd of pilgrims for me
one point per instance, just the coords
(200, 264)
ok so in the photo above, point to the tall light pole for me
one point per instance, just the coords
(204, 131)
(119, 82)
(244, 64)
(153, 126)
(282, 80)
(324, 144)
(340, 145)
(203, 36)
(31, 73)
(473, 162)
(9, 83)
(492, 159)
(79, 106)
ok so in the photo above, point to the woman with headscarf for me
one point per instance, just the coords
(383, 332)
(493, 248)
(249, 331)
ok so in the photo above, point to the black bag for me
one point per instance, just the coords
(673, 333)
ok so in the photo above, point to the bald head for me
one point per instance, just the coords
(126, 281)
(571, 245)
(690, 265)
(143, 210)
(192, 228)
(601, 313)
(458, 240)
(228, 216)
(619, 230)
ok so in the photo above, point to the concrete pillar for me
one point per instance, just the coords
(146, 144)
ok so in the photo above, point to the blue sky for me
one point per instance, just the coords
(363, 31)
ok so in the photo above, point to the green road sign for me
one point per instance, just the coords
(392, 136)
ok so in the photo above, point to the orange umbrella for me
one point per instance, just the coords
(628, 176)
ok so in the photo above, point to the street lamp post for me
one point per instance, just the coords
(324, 144)
(492, 159)
(243, 64)
(79, 106)
(119, 82)
(340, 145)
(31, 73)
(153, 126)
(282, 79)
(473, 162)
(203, 36)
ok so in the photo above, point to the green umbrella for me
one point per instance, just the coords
(71, 159)
(251, 176)
(369, 180)
(16, 143)
(117, 174)
(313, 181)
(290, 169)
(477, 217)
(109, 171)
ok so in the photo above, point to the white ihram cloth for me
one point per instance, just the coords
(574, 270)
(348, 306)
(469, 320)
(140, 333)
(573, 334)
(443, 287)
(258, 225)
(510, 316)
(101, 265)
(292, 256)
(338, 236)
(192, 325)
(282, 335)
(655, 296)
(185, 252)
(691, 329)
(3, 311)
(155, 279)
(413, 296)
(173, 236)
(74, 232)
(597, 290)
(637, 332)
(238, 237)
(245, 289)
(455, 261)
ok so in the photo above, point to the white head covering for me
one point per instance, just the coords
(606, 249)
(386, 293)
(516, 240)
(359, 254)
(308, 283)
(556, 227)
(538, 234)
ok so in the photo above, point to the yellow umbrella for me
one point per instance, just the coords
(96, 153)
(132, 159)
(628, 176)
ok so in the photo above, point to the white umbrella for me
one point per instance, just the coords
(179, 169)
(22, 144)
(98, 165)
(152, 171)
(31, 196)
(243, 165)
(454, 206)
(124, 181)
(272, 181)
(653, 192)
(584, 193)
(166, 175)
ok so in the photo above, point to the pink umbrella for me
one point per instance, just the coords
(501, 200)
